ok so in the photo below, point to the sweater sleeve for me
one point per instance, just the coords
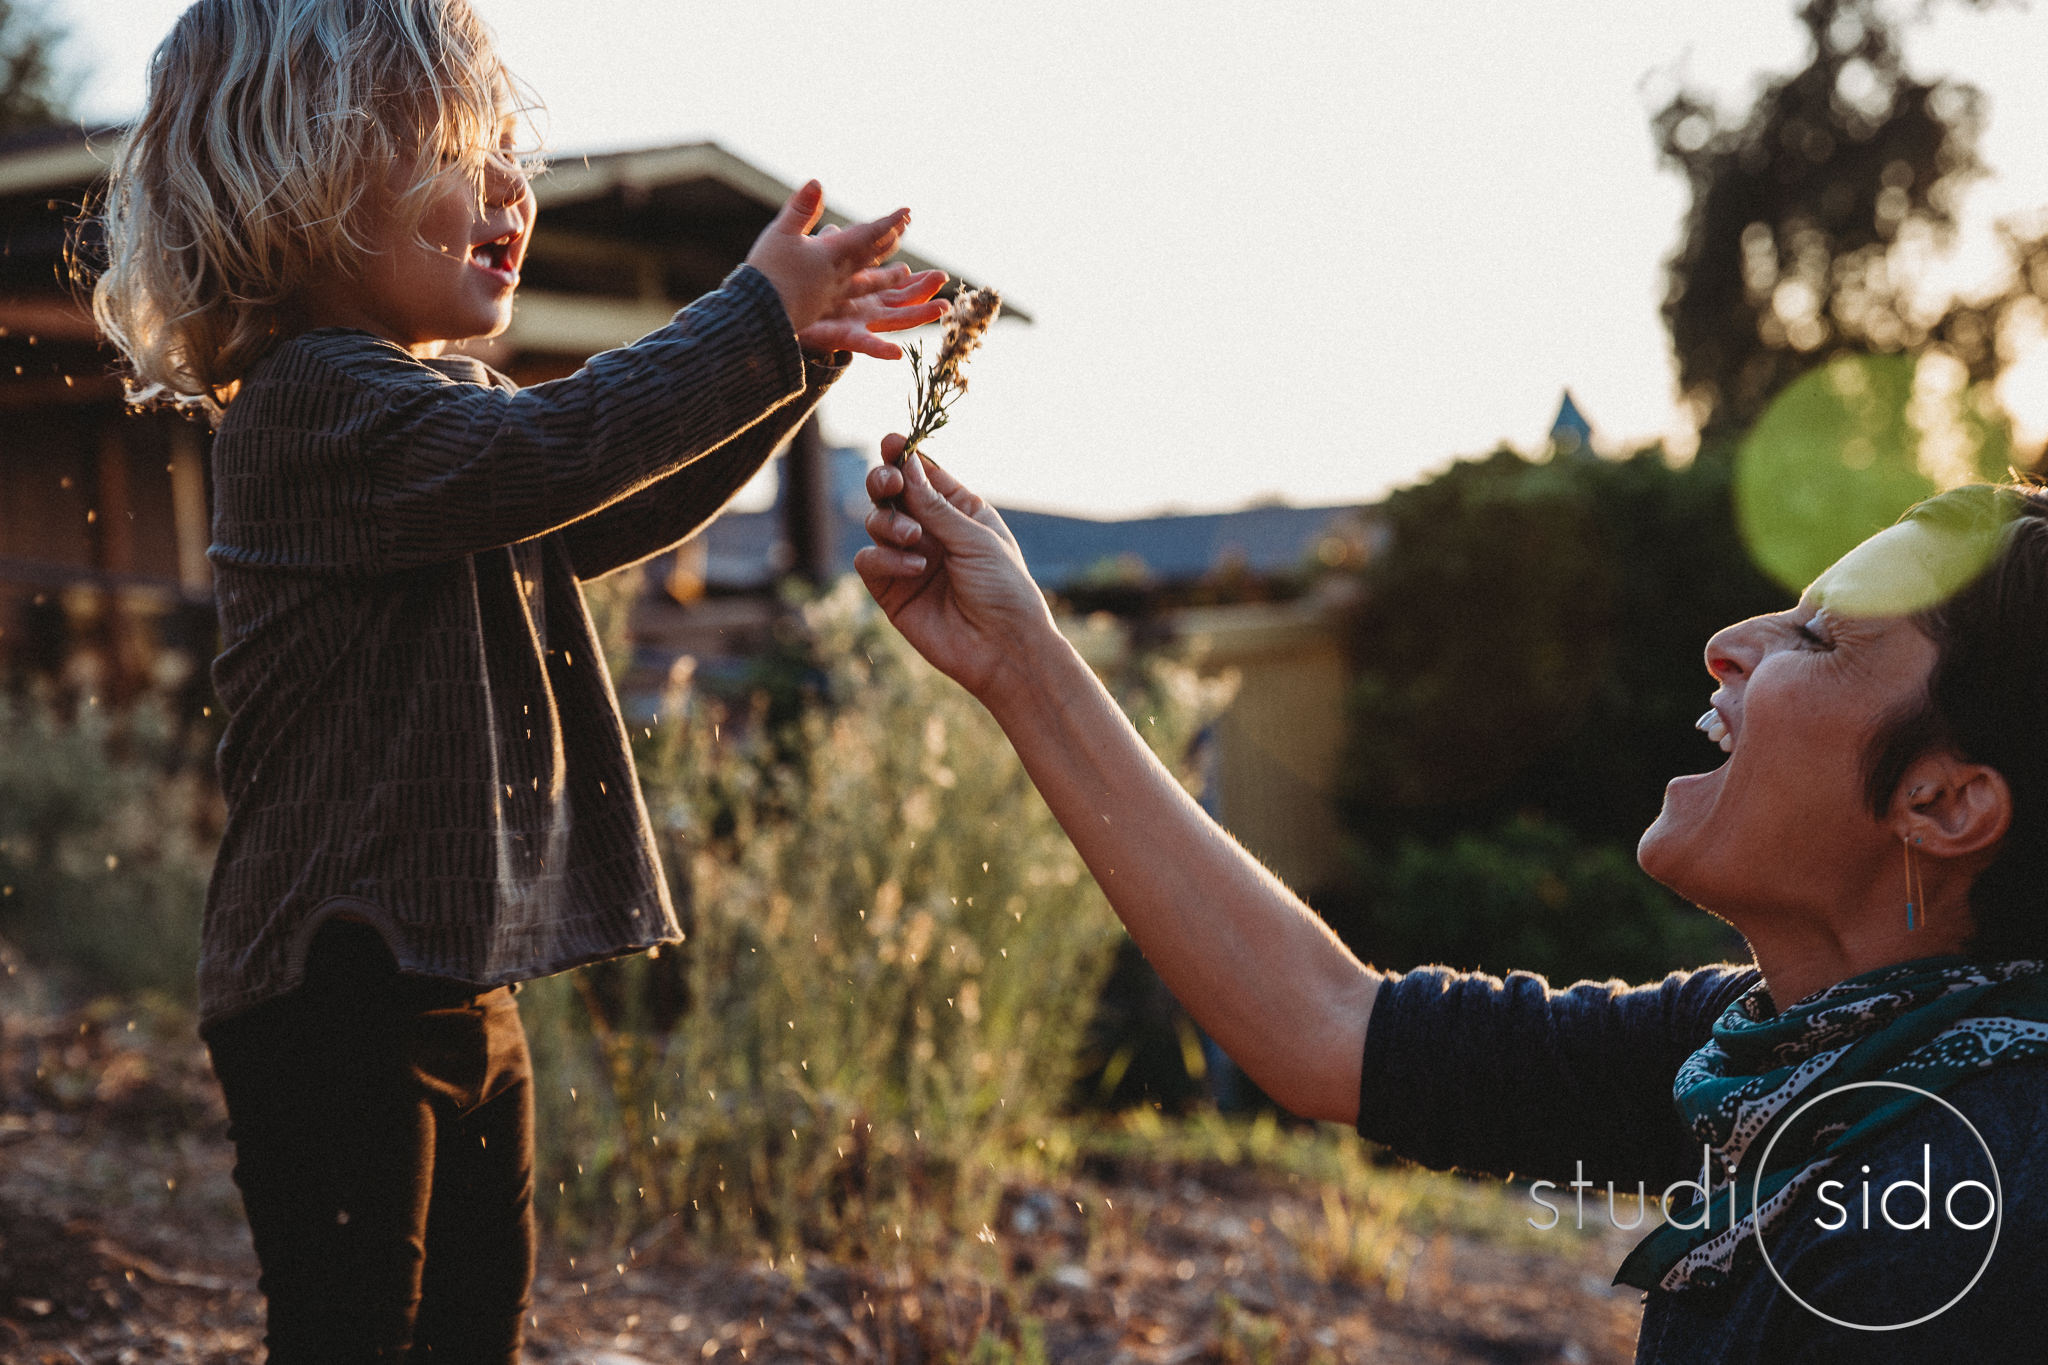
(401, 465)
(674, 508)
(1515, 1077)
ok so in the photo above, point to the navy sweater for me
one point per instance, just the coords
(1515, 1078)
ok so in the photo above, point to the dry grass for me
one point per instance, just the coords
(892, 954)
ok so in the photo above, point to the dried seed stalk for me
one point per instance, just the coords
(939, 386)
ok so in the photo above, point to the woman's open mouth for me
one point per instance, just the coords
(1715, 728)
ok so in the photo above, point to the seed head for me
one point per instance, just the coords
(938, 386)
(969, 321)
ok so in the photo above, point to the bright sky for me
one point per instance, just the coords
(1300, 250)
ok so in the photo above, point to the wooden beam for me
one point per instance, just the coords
(576, 324)
(113, 519)
(188, 509)
(48, 317)
(638, 262)
(806, 505)
(575, 180)
(49, 390)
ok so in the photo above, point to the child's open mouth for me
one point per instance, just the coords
(496, 256)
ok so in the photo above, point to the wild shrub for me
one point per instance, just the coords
(107, 825)
(892, 954)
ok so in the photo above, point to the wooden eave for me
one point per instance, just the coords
(652, 226)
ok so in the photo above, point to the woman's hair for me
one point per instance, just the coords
(1984, 701)
(276, 132)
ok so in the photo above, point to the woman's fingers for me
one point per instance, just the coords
(886, 526)
(952, 490)
(971, 505)
(884, 481)
(945, 517)
(884, 561)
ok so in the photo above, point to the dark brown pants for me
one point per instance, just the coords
(383, 1131)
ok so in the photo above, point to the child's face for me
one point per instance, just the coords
(451, 280)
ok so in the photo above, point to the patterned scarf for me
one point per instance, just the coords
(1928, 1024)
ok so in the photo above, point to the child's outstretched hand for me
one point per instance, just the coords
(834, 287)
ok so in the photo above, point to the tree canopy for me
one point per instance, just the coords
(1807, 211)
(31, 86)
(1528, 652)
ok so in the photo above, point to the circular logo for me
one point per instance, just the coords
(1997, 1218)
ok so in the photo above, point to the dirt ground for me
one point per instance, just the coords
(121, 1240)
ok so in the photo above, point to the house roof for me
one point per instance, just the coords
(644, 193)
(1059, 550)
(656, 223)
(741, 548)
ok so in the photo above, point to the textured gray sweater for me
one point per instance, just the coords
(421, 731)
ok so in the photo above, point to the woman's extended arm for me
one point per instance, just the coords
(1463, 1069)
(1257, 969)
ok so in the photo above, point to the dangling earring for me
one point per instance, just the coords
(1916, 892)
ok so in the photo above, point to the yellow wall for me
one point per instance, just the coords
(1281, 737)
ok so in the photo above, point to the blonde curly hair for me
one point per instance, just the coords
(277, 132)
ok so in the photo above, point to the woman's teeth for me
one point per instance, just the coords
(1716, 729)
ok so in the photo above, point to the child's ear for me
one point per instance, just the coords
(1950, 808)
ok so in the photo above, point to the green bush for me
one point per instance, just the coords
(892, 955)
(1529, 652)
(107, 825)
(1531, 639)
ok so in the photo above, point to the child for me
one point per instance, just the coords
(429, 789)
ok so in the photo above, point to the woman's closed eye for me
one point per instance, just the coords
(1818, 631)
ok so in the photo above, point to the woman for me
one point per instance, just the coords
(1875, 833)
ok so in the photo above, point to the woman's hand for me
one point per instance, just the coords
(949, 574)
